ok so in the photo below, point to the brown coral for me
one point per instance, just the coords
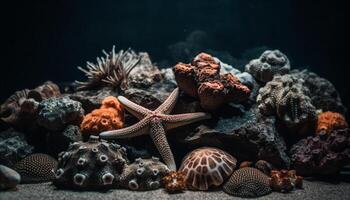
(207, 167)
(285, 181)
(329, 121)
(202, 79)
(109, 117)
(175, 181)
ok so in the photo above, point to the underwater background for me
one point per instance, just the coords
(47, 40)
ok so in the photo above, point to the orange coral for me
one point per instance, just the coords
(285, 181)
(109, 116)
(175, 181)
(329, 121)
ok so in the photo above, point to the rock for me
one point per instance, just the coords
(13, 147)
(56, 113)
(9, 178)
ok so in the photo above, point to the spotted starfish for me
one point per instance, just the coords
(155, 123)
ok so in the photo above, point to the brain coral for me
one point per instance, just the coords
(91, 165)
(323, 154)
(268, 65)
(207, 167)
(109, 117)
(144, 174)
(202, 79)
(247, 182)
(36, 168)
(287, 98)
(329, 121)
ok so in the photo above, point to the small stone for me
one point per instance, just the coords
(9, 178)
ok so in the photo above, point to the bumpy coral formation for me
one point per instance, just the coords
(287, 98)
(144, 174)
(202, 79)
(56, 113)
(174, 181)
(270, 63)
(264, 166)
(113, 70)
(9, 178)
(36, 168)
(322, 154)
(92, 165)
(285, 181)
(247, 182)
(329, 121)
(109, 117)
(207, 167)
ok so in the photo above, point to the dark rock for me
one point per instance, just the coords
(13, 147)
(9, 178)
(56, 113)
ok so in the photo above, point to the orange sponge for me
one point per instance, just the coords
(329, 121)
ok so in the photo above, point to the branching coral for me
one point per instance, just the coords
(207, 167)
(268, 65)
(285, 181)
(113, 70)
(175, 181)
(329, 121)
(202, 79)
(109, 117)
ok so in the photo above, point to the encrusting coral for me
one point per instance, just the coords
(329, 121)
(207, 167)
(174, 181)
(94, 164)
(247, 182)
(202, 79)
(270, 63)
(36, 168)
(144, 174)
(285, 181)
(155, 123)
(113, 70)
(323, 154)
(109, 116)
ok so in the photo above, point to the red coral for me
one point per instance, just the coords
(202, 79)
(285, 181)
(175, 181)
(329, 121)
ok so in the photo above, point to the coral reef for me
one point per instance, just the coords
(36, 168)
(109, 117)
(207, 167)
(322, 154)
(329, 121)
(9, 178)
(270, 63)
(144, 174)
(202, 79)
(155, 123)
(56, 113)
(285, 181)
(287, 98)
(247, 182)
(174, 182)
(113, 70)
(13, 147)
(323, 94)
(91, 165)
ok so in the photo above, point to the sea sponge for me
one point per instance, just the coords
(285, 181)
(109, 117)
(270, 63)
(95, 164)
(36, 168)
(202, 79)
(144, 174)
(207, 167)
(174, 181)
(247, 182)
(329, 121)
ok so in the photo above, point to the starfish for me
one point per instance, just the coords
(155, 123)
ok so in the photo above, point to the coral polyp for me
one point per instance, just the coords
(112, 70)
(329, 121)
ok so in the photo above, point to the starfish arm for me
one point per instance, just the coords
(140, 128)
(159, 139)
(136, 110)
(173, 121)
(168, 105)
